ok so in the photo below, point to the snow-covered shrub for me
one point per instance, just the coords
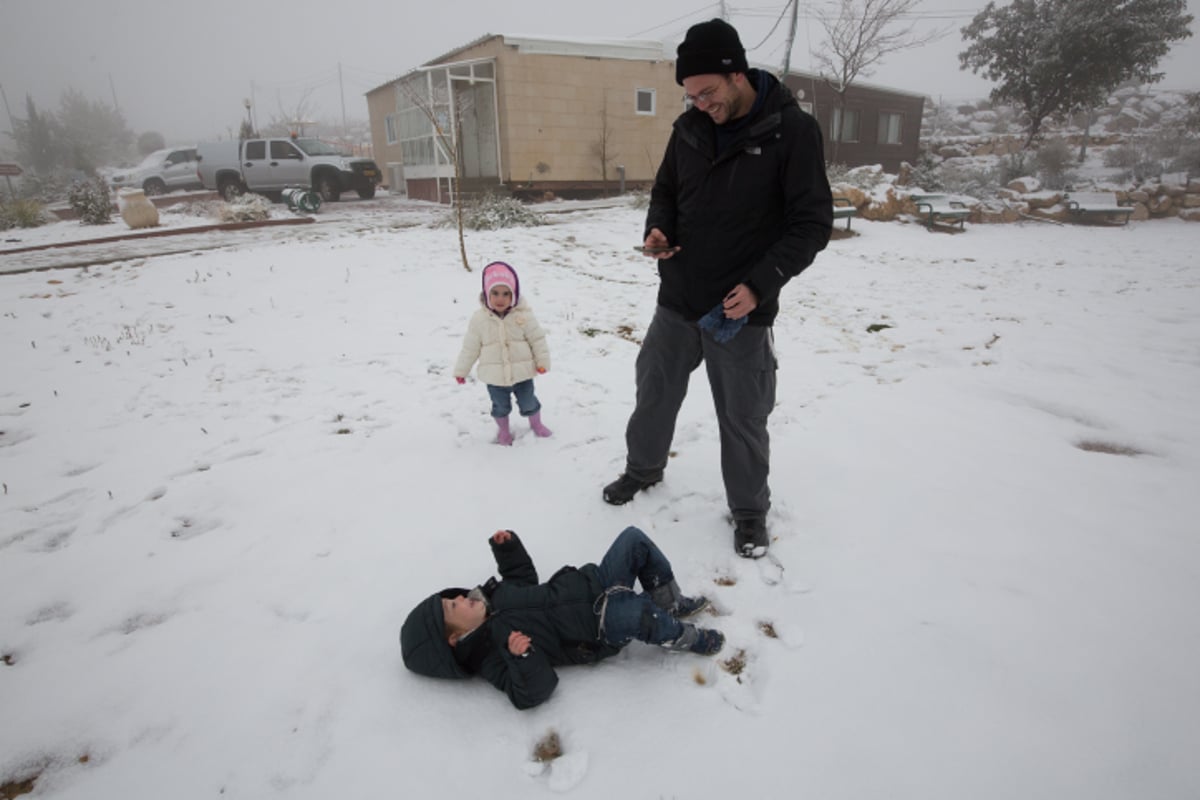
(927, 173)
(1122, 155)
(491, 212)
(973, 181)
(1054, 159)
(639, 200)
(865, 178)
(1012, 166)
(247, 208)
(21, 214)
(90, 200)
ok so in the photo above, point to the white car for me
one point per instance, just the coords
(160, 172)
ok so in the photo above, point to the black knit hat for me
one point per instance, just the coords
(710, 48)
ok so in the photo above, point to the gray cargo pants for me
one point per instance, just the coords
(742, 376)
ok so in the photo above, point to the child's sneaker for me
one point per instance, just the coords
(704, 641)
(689, 606)
(708, 642)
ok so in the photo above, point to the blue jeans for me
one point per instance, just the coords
(628, 614)
(502, 402)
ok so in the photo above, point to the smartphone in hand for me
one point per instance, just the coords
(649, 251)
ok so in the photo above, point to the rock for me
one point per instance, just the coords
(1025, 185)
(1044, 200)
(857, 197)
(1140, 212)
(1191, 200)
(1160, 206)
(1191, 215)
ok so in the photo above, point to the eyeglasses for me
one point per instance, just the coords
(704, 97)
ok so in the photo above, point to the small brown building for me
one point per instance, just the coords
(876, 126)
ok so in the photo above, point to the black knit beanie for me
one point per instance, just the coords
(710, 48)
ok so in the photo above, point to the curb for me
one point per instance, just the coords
(220, 226)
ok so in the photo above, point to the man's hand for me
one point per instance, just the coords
(518, 643)
(657, 239)
(740, 302)
(500, 537)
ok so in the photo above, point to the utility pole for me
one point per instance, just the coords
(342, 91)
(250, 109)
(113, 88)
(787, 50)
(12, 126)
(723, 13)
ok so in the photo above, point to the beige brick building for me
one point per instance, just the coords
(529, 115)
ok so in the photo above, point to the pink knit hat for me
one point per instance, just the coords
(498, 273)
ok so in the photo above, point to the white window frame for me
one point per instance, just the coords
(637, 96)
(835, 126)
(883, 135)
(389, 124)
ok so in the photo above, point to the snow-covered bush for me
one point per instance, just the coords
(491, 212)
(1054, 159)
(90, 200)
(927, 172)
(21, 214)
(247, 208)
(973, 181)
(865, 178)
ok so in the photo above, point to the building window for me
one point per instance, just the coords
(644, 101)
(389, 122)
(890, 124)
(845, 125)
(806, 107)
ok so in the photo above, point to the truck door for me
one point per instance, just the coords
(288, 165)
(255, 169)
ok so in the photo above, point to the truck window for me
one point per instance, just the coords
(256, 150)
(284, 150)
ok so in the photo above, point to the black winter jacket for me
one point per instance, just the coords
(756, 214)
(559, 616)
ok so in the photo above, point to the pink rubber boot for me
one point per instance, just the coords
(504, 437)
(535, 422)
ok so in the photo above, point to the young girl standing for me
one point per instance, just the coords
(510, 346)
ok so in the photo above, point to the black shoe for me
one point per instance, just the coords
(622, 490)
(750, 538)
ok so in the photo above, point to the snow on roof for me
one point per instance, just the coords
(631, 49)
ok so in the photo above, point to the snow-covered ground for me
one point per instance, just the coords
(228, 475)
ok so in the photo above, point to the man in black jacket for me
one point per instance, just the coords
(740, 206)
(515, 631)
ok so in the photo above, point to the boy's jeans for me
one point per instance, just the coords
(502, 402)
(626, 614)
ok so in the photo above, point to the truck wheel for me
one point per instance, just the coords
(368, 193)
(328, 188)
(229, 189)
(154, 186)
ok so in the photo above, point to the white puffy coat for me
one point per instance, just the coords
(509, 349)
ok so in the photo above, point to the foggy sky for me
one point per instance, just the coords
(185, 68)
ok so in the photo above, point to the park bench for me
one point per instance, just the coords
(941, 208)
(844, 209)
(1097, 204)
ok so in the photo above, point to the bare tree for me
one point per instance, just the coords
(293, 118)
(860, 34)
(602, 146)
(445, 118)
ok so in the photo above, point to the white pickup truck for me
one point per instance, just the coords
(268, 166)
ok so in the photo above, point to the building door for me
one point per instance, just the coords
(476, 105)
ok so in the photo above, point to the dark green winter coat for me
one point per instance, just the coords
(559, 616)
(757, 213)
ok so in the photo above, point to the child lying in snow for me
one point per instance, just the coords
(515, 631)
